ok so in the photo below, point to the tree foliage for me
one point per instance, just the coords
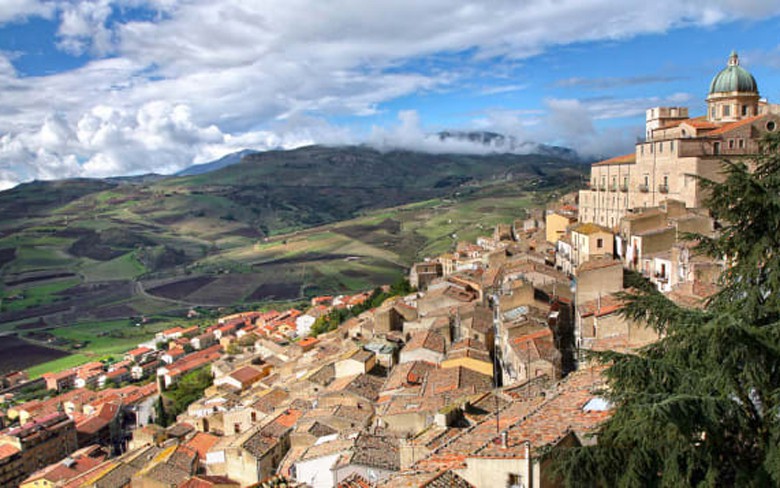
(700, 407)
(338, 316)
(178, 397)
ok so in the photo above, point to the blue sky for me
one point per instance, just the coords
(107, 87)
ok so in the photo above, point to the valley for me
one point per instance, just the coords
(100, 256)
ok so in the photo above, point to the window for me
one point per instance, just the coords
(744, 110)
(716, 148)
(741, 143)
(599, 243)
(727, 110)
(771, 126)
(647, 180)
(237, 428)
(660, 147)
(684, 133)
(712, 113)
(666, 180)
(731, 143)
(671, 146)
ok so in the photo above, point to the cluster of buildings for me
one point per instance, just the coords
(470, 381)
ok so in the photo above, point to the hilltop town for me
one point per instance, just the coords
(469, 375)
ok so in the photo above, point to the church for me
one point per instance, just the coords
(677, 149)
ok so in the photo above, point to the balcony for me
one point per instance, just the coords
(624, 188)
(592, 187)
(644, 188)
(613, 187)
(663, 188)
(602, 187)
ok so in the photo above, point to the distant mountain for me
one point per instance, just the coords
(223, 162)
(136, 180)
(202, 238)
(501, 143)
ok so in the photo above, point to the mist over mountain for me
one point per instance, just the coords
(223, 162)
(446, 142)
(501, 143)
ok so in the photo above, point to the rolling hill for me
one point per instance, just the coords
(278, 225)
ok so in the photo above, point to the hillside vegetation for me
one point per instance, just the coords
(281, 225)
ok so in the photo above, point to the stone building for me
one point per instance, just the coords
(26, 449)
(678, 149)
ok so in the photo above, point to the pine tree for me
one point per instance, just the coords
(701, 407)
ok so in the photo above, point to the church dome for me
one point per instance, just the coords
(733, 78)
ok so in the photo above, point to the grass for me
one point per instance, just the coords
(29, 258)
(124, 267)
(37, 295)
(104, 340)
(59, 364)
(109, 337)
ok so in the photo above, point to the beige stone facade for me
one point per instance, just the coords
(676, 151)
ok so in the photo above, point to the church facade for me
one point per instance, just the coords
(677, 149)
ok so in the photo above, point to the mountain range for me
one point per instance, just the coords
(271, 225)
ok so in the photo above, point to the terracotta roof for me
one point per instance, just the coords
(78, 463)
(457, 380)
(561, 413)
(447, 479)
(206, 481)
(426, 339)
(735, 125)
(376, 451)
(288, 418)
(268, 401)
(7, 450)
(138, 351)
(247, 374)
(624, 159)
(201, 442)
(365, 385)
(354, 481)
(407, 374)
(700, 123)
(536, 345)
(599, 307)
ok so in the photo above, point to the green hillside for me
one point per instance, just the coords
(279, 225)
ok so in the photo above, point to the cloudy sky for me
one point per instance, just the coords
(113, 87)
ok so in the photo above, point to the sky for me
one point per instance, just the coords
(95, 88)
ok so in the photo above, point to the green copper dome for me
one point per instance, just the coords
(733, 78)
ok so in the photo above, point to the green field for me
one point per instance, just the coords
(101, 340)
(277, 228)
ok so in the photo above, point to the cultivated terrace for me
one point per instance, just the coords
(470, 374)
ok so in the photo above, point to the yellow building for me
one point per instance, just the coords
(470, 354)
(678, 149)
(589, 241)
(556, 224)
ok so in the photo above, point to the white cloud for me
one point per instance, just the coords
(83, 27)
(202, 78)
(13, 10)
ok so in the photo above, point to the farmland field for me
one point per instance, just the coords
(85, 260)
(16, 354)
